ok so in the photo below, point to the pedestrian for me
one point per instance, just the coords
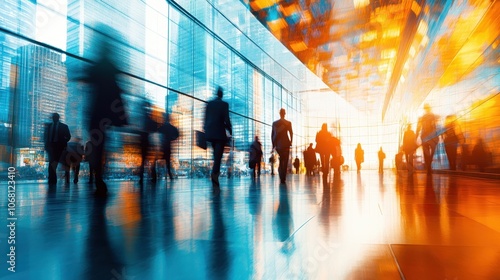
(218, 130)
(359, 156)
(282, 137)
(381, 157)
(426, 127)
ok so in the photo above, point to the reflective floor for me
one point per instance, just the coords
(363, 226)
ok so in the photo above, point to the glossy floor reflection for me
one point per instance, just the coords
(363, 226)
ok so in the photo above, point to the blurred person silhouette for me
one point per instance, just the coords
(381, 157)
(310, 159)
(148, 127)
(72, 157)
(56, 137)
(88, 157)
(169, 133)
(359, 156)
(272, 161)
(398, 159)
(323, 147)
(282, 138)
(451, 141)
(217, 126)
(106, 107)
(409, 147)
(337, 158)
(296, 164)
(479, 155)
(255, 157)
(426, 128)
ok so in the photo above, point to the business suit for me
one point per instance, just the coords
(56, 139)
(282, 136)
(216, 124)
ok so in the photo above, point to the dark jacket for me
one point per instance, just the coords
(282, 134)
(62, 137)
(217, 120)
(323, 142)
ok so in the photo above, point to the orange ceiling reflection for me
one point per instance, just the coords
(384, 48)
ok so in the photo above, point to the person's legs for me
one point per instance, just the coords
(76, 172)
(98, 162)
(325, 163)
(218, 147)
(451, 153)
(409, 162)
(168, 163)
(54, 157)
(284, 154)
(67, 169)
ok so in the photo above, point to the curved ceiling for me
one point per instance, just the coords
(383, 55)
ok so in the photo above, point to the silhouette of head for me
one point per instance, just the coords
(55, 117)
(427, 107)
(282, 112)
(324, 126)
(219, 92)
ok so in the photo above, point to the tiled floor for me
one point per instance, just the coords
(363, 226)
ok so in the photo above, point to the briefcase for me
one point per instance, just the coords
(200, 139)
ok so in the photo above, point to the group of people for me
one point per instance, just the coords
(359, 158)
(452, 138)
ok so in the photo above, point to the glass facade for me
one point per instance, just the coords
(176, 53)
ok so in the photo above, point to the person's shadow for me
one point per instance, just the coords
(283, 222)
(219, 259)
(254, 198)
(101, 260)
(324, 216)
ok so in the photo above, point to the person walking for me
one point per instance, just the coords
(323, 143)
(359, 156)
(426, 127)
(381, 157)
(255, 157)
(106, 106)
(56, 139)
(296, 164)
(451, 141)
(409, 147)
(169, 133)
(217, 126)
(310, 159)
(282, 138)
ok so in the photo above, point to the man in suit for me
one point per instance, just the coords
(282, 136)
(56, 138)
(216, 124)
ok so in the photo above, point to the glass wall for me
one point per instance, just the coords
(174, 54)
